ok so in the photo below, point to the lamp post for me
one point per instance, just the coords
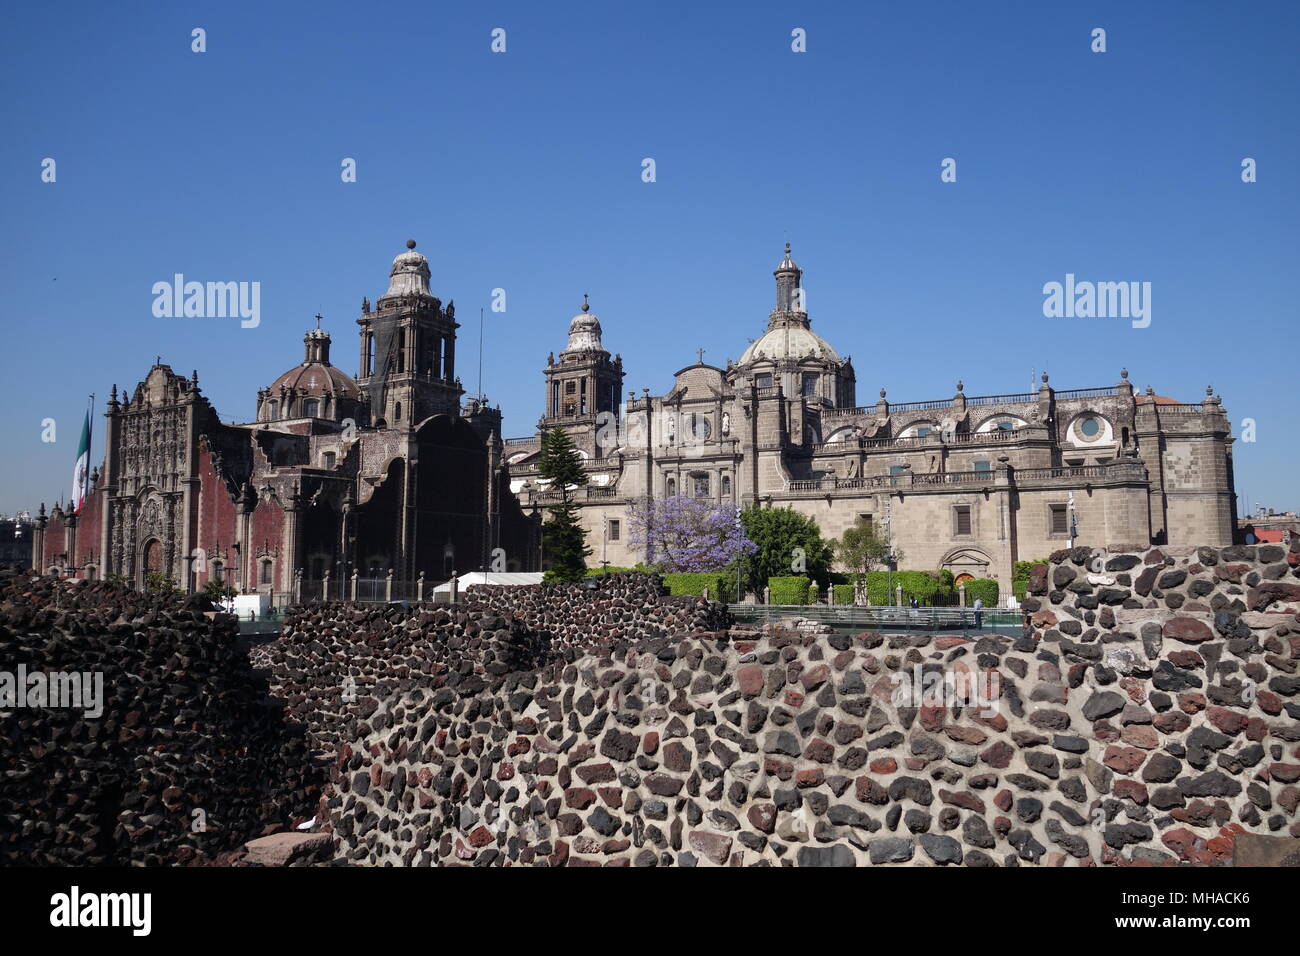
(1073, 518)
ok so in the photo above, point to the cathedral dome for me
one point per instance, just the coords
(315, 378)
(791, 342)
(584, 332)
(409, 275)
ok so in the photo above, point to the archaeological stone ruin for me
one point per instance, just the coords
(1146, 715)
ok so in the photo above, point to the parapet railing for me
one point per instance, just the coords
(1112, 470)
(884, 617)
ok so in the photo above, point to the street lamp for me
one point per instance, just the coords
(1073, 518)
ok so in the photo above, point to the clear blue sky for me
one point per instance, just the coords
(523, 171)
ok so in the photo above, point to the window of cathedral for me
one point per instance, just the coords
(272, 411)
(961, 520)
(1090, 427)
(763, 379)
(672, 486)
(700, 483)
(895, 470)
(311, 408)
(983, 465)
(264, 575)
(218, 572)
(726, 486)
(397, 412)
(1006, 426)
(923, 430)
(810, 380)
(614, 529)
(1059, 519)
(327, 460)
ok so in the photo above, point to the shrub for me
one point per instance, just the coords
(984, 588)
(1020, 572)
(789, 589)
(927, 587)
(720, 584)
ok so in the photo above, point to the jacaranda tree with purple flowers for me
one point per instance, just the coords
(679, 533)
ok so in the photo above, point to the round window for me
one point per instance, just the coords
(1090, 427)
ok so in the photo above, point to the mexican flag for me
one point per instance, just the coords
(81, 471)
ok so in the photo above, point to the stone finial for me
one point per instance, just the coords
(1209, 390)
(1150, 390)
(960, 387)
(410, 243)
(1044, 378)
(882, 393)
(586, 306)
(1123, 374)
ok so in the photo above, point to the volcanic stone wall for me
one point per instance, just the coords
(1148, 716)
(186, 726)
(337, 661)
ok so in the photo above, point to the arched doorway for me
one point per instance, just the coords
(151, 558)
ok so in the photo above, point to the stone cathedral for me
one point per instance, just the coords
(383, 476)
(967, 483)
(392, 474)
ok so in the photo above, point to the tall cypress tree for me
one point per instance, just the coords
(562, 535)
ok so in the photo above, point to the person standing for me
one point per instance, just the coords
(979, 613)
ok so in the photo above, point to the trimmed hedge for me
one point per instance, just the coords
(720, 584)
(985, 588)
(928, 587)
(843, 593)
(791, 589)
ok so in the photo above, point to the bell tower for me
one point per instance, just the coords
(408, 349)
(582, 383)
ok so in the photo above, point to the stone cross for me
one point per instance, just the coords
(700, 356)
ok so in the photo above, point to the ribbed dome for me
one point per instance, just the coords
(789, 342)
(314, 378)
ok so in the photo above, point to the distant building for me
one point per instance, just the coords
(971, 484)
(375, 476)
(1269, 527)
(16, 539)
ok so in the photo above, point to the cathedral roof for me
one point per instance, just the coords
(789, 342)
(584, 332)
(409, 275)
(315, 378)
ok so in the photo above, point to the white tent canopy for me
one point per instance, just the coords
(507, 578)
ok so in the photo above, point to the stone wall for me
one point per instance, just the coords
(1148, 716)
(186, 761)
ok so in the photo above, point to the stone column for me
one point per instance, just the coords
(388, 586)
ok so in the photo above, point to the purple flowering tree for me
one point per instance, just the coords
(688, 534)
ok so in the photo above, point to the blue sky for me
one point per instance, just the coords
(522, 171)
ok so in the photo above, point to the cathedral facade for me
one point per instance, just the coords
(969, 484)
(382, 478)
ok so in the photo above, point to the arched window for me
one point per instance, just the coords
(327, 460)
(672, 486)
(272, 411)
(397, 412)
(311, 408)
(726, 486)
(265, 573)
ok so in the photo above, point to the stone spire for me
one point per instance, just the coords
(790, 310)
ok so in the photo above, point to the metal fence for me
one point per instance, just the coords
(961, 619)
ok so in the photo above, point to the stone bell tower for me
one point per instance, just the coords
(582, 383)
(408, 349)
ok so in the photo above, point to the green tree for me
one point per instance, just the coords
(562, 536)
(862, 549)
(787, 543)
(155, 582)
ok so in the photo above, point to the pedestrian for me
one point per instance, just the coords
(979, 613)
